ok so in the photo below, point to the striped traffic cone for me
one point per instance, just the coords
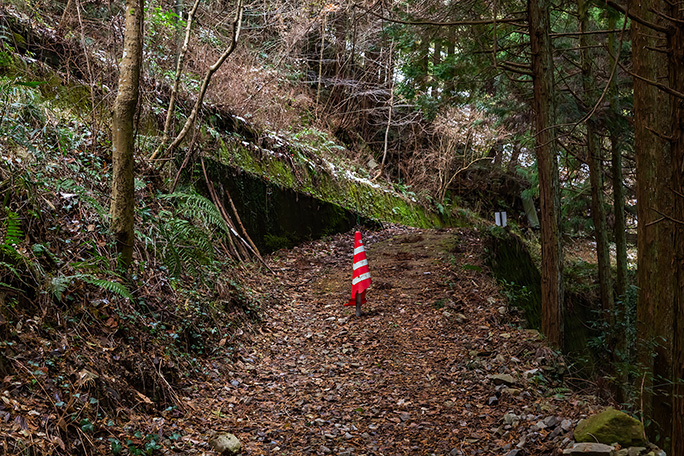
(361, 278)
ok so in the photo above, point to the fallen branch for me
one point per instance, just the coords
(228, 220)
(242, 227)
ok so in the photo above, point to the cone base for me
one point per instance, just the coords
(352, 301)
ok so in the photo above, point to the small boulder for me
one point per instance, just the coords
(589, 449)
(226, 444)
(502, 379)
(510, 418)
(611, 426)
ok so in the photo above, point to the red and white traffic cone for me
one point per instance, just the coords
(361, 278)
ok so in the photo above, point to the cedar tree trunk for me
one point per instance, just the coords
(542, 76)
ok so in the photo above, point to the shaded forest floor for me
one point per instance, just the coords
(437, 364)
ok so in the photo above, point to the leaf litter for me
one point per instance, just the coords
(437, 364)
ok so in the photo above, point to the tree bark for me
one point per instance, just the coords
(676, 79)
(123, 192)
(598, 213)
(547, 165)
(619, 230)
(657, 273)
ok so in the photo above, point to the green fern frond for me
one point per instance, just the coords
(139, 184)
(197, 207)
(95, 204)
(59, 284)
(113, 287)
(9, 287)
(173, 261)
(13, 232)
(189, 231)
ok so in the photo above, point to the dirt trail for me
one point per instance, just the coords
(411, 376)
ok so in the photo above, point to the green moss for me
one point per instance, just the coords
(274, 243)
(516, 273)
(301, 175)
(611, 426)
(280, 173)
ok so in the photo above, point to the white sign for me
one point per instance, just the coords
(500, 218)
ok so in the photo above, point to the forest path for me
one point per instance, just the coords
(412, 375)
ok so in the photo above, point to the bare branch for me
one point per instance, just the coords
(506, 66)
(669, 18)
(591, 32)
(440, 24)
(176, 82)
(636, 18)
(660, 135)
(667, 217)
(662, 87)
(207, 78)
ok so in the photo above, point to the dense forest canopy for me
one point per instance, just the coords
(575, 107)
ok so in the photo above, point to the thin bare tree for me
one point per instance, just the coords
(189, 123)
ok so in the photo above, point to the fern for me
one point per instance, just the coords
(189, 232)
(13, 232)
(201, 209)
(70, 186)
(8, 287)
(59, 284)
(113, 287)
(10, 268)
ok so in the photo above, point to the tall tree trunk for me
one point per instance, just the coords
(598, 212)
(655, 165)
(123, 192)
(622, 344)
(676, 80)
(547, 165)
(619, 230)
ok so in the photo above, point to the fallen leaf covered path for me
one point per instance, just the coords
(433, 366)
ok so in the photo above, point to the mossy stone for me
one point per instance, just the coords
(611, 426)
(226, 444)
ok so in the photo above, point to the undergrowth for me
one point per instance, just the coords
(79, 341)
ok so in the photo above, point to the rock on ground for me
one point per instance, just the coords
(589, 449)
(226, 444)
(611, 426)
